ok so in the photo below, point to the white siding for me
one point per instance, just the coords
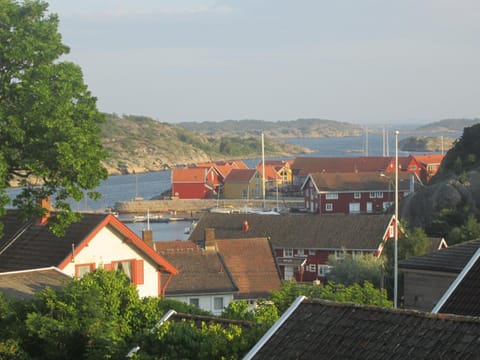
(205, 302)
(106, 247)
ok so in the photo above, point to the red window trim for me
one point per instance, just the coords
(92, 267)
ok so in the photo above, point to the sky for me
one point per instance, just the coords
(359, 61)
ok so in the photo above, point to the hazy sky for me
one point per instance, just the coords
(361, 61)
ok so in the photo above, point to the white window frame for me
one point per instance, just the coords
(328, 207)
(323, 270)
(331, 196)
(218, 303)
(373, 195)
(288, 252)
(357, 195)
(300, 252)
(340, 254)
(357, 206)
(379, 194)
(312, 267)
(194, 301)
(312, 252)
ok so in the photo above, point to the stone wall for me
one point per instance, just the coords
(194, 205)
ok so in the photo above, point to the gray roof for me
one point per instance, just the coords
(306, 231)
(452, 259)
(24, 284)
(462, 298)
(316, 329)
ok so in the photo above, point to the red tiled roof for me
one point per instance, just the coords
(270, 172)
(240, 175)
(224, 167)
(252, 265)
(189, 175)
(429, 159)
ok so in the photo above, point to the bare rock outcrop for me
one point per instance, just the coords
(419, 209)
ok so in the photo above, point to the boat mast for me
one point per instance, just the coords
(263, 171)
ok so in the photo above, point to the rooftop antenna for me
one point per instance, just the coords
(387, 146)
(383, 138)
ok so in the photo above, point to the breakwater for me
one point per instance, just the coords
(199, 205)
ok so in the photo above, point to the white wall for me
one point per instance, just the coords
(106, 247)
(206, 301)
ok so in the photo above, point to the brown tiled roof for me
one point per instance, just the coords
(177, 245)
(189, 175)
(252, 265)
(452, 259)
(27, 246)
(200, 272)
(359, 181)
(24, 284)
(305, 231)
(324, 330)
(463, 296)
(307, 165)
(240, 175)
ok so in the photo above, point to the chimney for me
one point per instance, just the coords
(46, 205)
(147, 237)
(210, 239)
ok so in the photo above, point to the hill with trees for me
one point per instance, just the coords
(276, 129)
(139, 144)
(449, 206)
(448, 125)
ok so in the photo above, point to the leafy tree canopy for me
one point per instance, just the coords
(49, 122)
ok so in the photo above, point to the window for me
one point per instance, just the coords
(331, 196)
(83, 269)
(357, 253)
(132, 268)
(312, 267)
(300, 252)
(323, 270)
(218, 303)
(373, 195)
(354, 208)
(379, 195)
(357, 195)
(340, 254)
(194, 302)
(311, 252)
(328, 207)
(288, 252)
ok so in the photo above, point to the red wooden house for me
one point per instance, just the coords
(428, 165)
(353, 193)
(195, 183)
(303, 243)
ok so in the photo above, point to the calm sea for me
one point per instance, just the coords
(152, 184)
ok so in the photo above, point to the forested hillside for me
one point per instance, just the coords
(448, 125)
(139, 143)
(277, 129)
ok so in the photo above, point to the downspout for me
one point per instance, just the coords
(164, 287)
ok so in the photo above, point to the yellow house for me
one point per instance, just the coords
(279, 171)
(242, 184)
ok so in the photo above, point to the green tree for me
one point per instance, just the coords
(356, 270)
(364, 293)
(469, 230)
(49, 123)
